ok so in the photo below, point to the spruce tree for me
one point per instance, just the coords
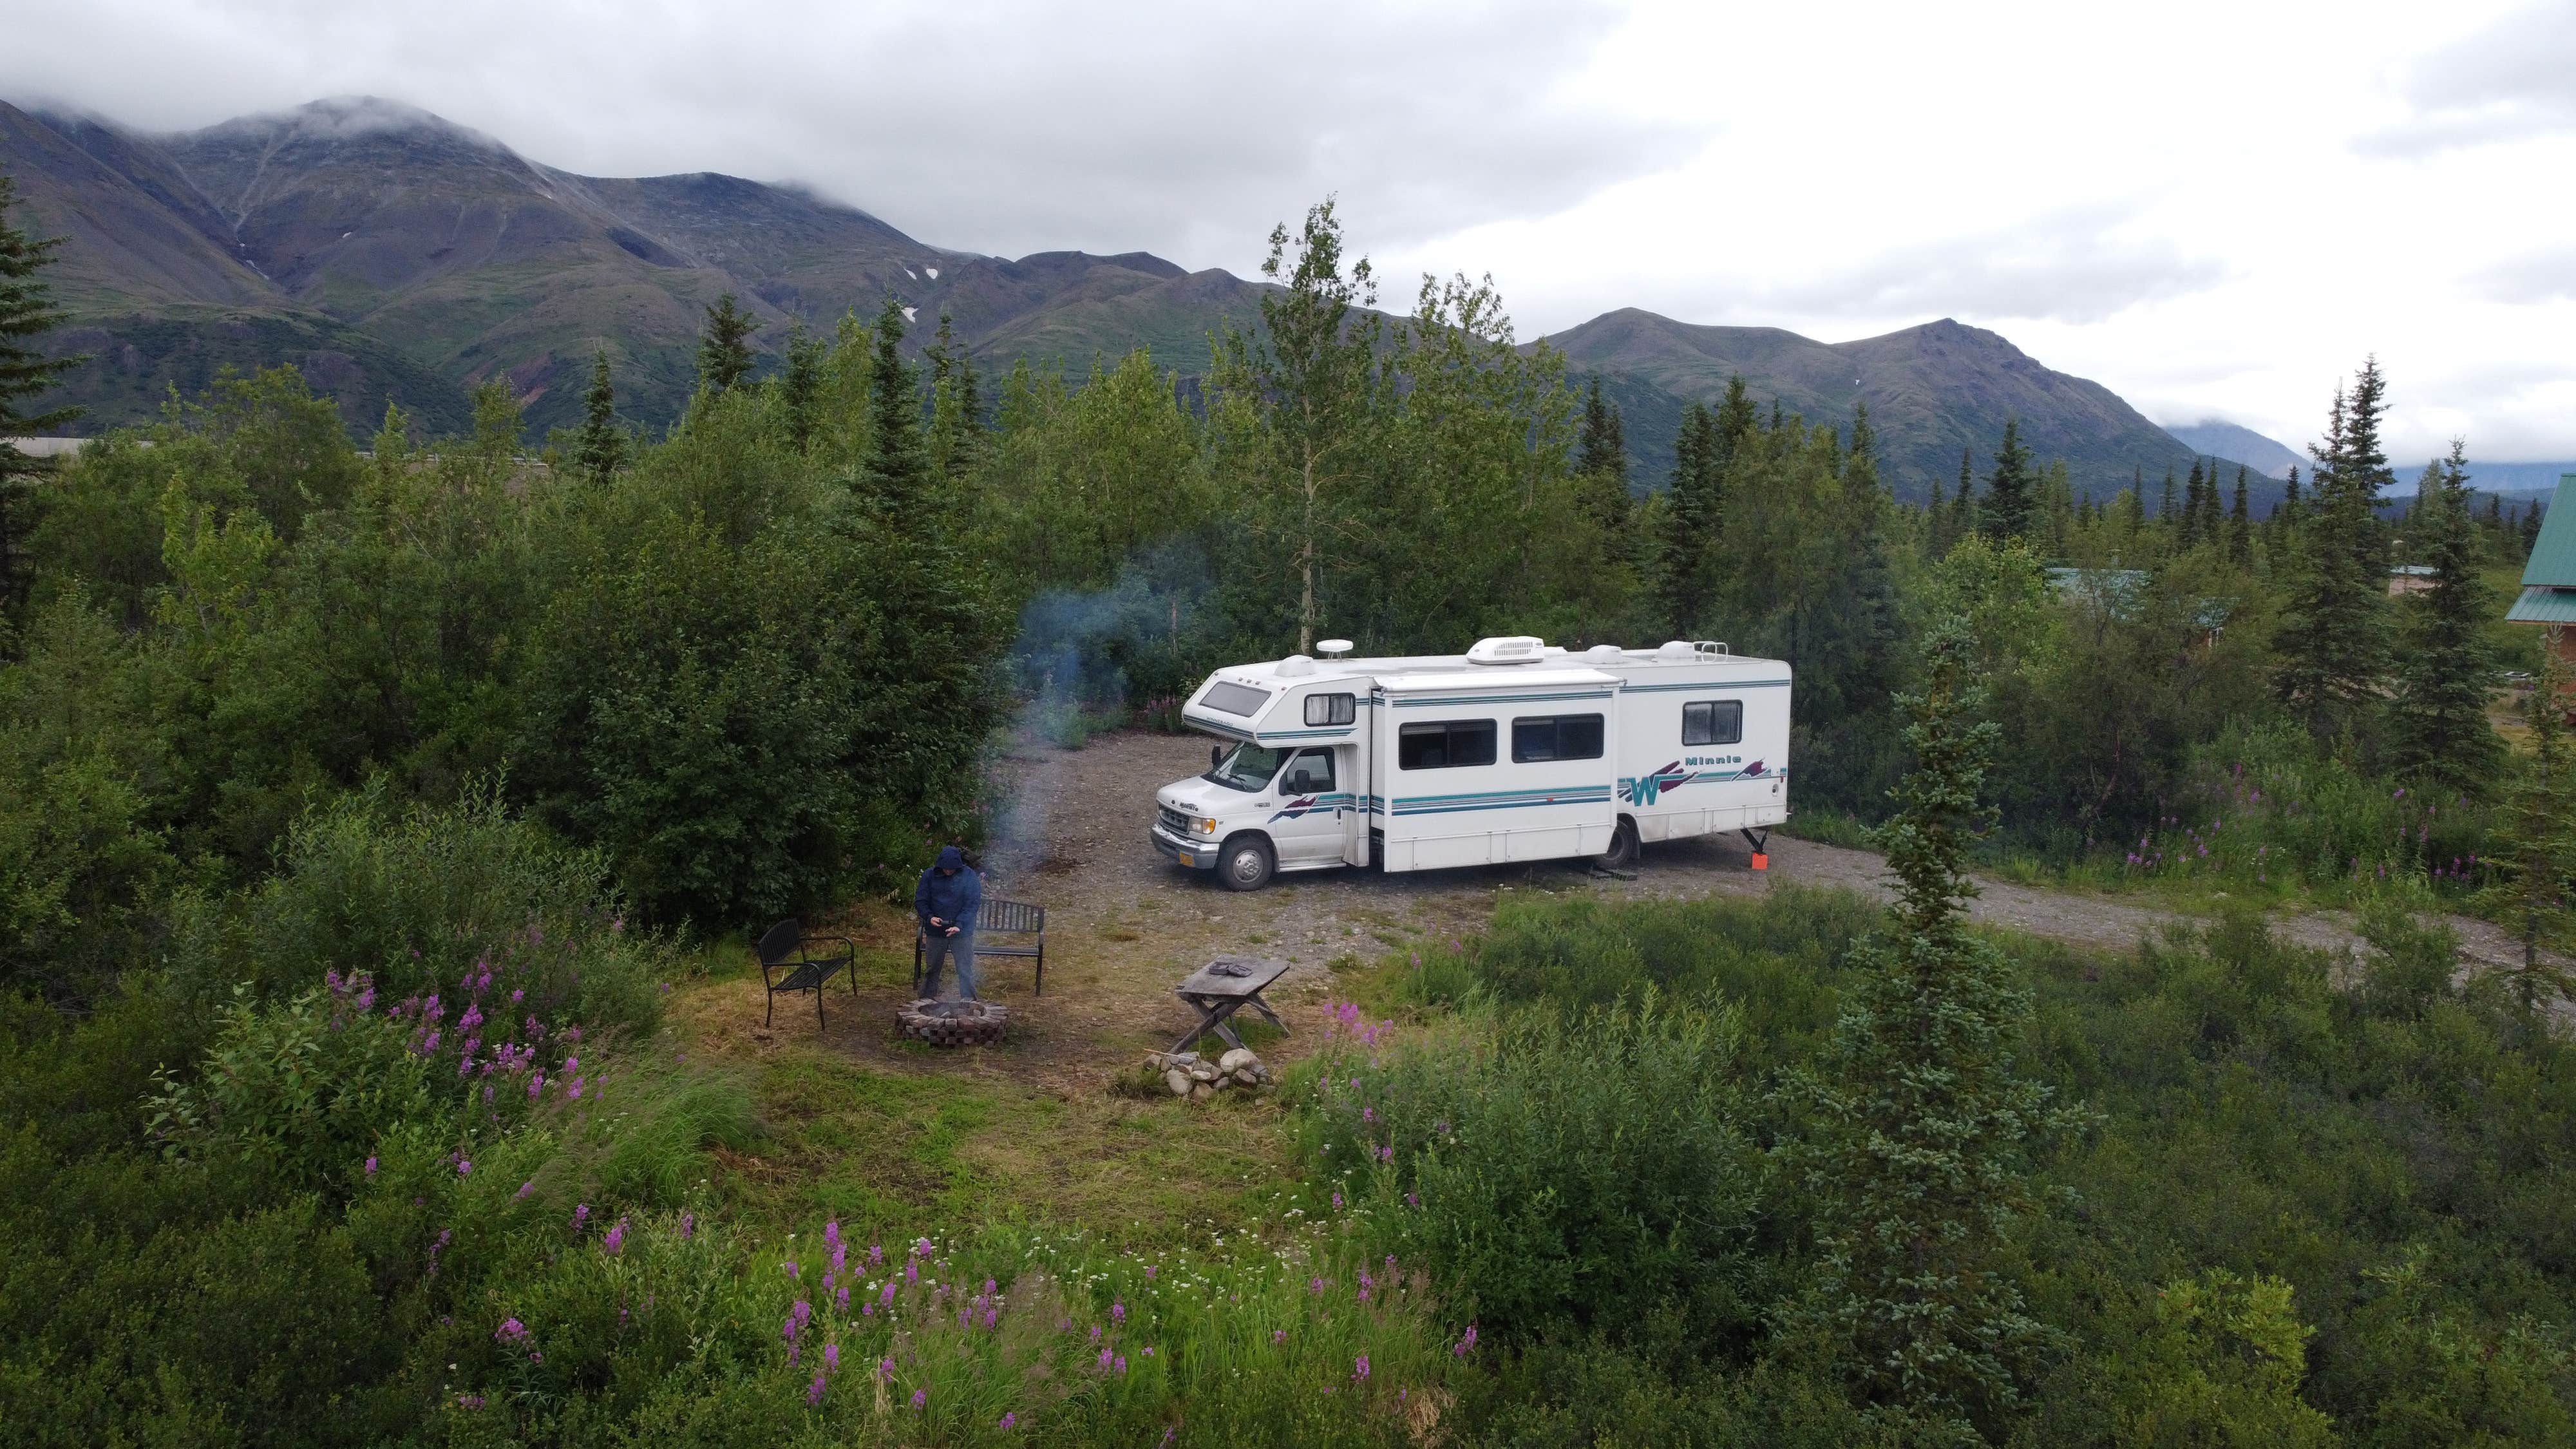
(2009, 509)
(800, 389)
(894, 473)
(1736, 420)
(2533, 854)
(1601, 461)
(2189, 533)
(2240, 525)
(1915, 1166)
(1963, 504)
(2333, 641)
(956, 407)
(2446, 673)
(724, 352)
(602, 450)
(26, 313)
(1691, 519)
(2166, 513)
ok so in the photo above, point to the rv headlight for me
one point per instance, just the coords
(1207, 827)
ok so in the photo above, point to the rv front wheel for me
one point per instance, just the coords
(1246, 865)
(1623, 846)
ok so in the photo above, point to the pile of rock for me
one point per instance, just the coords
(1186, 1074)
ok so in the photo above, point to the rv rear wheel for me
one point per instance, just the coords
(1245, 865)
(1623, 850)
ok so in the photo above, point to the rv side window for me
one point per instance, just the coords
(1329, 709)
(1713, 722)
(1445, 744)
(1556, 737)
(1311, 773)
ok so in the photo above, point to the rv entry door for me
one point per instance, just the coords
(1307, 830)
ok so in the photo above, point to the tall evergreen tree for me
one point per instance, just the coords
(26, 313)
(724, 350)
(956, 407)
(2240, 524)
(1916, 1165)
(602, 450)
(2009, 509)
(1601, 460)
(2534, 852)
(894, 473)
(2333, 642)
(1736, 420)
(800, 389)
(2189, 534)
(2167, 514)
(2446, 673)
(1691, 519)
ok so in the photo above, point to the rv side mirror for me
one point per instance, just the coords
(1216, 756)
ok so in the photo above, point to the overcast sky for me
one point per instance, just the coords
(2216, 209)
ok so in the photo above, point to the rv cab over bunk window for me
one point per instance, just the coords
(1713, 722)
(1234, 698)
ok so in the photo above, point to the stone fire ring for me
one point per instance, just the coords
(953, 1023)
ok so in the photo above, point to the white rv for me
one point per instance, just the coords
(1512, 751)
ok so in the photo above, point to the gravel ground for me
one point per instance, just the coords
(1124, 926)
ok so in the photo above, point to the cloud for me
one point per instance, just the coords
(1004, 125)
(2513, 80)
(2075, 266)
(2545, 276)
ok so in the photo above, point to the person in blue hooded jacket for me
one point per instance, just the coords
(947, 900)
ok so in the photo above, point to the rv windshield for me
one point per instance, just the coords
(1248, 768)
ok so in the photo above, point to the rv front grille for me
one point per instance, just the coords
(1177, 823)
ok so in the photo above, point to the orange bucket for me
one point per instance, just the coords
(1761, 861)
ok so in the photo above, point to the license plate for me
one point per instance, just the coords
(1188, 859)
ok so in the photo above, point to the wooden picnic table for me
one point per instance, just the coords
(1223, 987)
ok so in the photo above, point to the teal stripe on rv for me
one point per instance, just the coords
(1704, 687)
(1496, 699)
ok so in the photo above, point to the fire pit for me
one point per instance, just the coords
(953, 1023)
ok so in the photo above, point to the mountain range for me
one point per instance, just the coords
(394, 255)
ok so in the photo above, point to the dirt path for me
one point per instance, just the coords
(1123, 926)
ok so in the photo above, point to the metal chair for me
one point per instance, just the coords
(783, 947)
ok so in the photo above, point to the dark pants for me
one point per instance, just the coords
(941, 948)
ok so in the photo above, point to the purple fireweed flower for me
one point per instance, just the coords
(795, 1351)
(1368, 1114)
(1412, 1199)
(688, 1226)
(814, 1393)
(920, 1397)
(1104, 1358)
(787, 1328)
(885, 1369)
(989, 1285)
(888, 1298)
(1149, 1350)
(580, 1215)
(536, 1083)
(371, 1167)
(1278, 1335)
(1122, 1363)
(1149, 1270)
(844, 1297)
(572, 1064)
(791, 1268)
(832, 1232)
(1337, 1200)
(511, 1331)
(831, 1357)
(876, 1253)
(912, 1272)
(464, 1168)
(992, 1316)
(1359, 1370)
(574, 1091)
(616, 1238)
(1009, 1419)
(1095, 1333)
(1118, 1313)
(518, 994)
(804, 1313)
(1315, 1285)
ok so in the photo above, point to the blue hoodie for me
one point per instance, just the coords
(952, 898)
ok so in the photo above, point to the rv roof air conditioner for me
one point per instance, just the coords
(1296, 666)
(1508, 649)
(1604, 654)
(1676, 651)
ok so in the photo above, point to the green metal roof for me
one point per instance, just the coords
(2544, 606)
(2553, 555)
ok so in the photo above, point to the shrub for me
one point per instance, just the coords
(1575, 1169)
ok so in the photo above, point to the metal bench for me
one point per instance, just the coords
(783, 948)
(1007, 918)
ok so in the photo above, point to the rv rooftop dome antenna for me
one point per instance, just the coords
(1333, 648)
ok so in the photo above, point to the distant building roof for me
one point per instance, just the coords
(2544, 606)
(2553, 554)
(2414, 571)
